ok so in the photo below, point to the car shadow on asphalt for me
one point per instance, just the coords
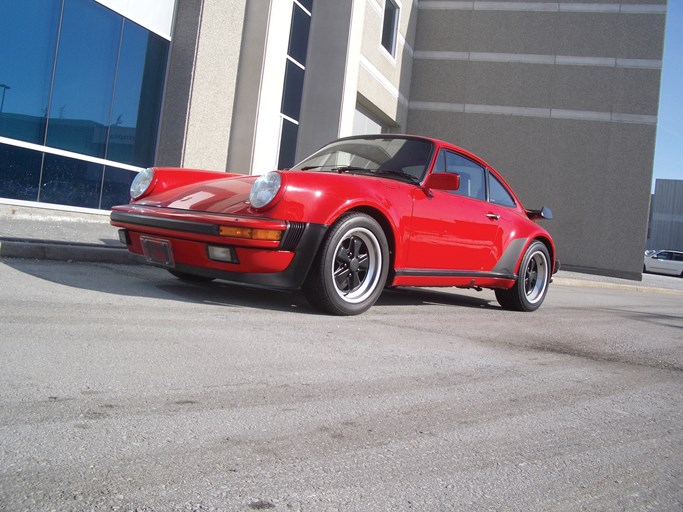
(428, 296)
(155, 283)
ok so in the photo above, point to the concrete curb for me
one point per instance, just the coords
(64, 251)
(564, 281)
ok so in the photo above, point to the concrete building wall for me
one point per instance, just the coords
(561, 98)
(383, 85)
(666, 223)
(201, 82)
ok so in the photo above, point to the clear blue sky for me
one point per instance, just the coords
(668, 161)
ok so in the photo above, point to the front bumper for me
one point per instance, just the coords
(186, 236)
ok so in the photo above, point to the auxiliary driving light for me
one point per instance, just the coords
(221, 253)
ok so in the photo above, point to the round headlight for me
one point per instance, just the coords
(265, 189)
(141, 183)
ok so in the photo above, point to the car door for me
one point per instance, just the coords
(661, 262)
(453, 230)
(673, 264)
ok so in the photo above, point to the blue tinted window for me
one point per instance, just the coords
(298, 35)
(137, 97)
(472, 175)
(390, 26)
(294, 85)
(84, 78)
(28, 29)
(308, 4)
(71, 182)
(498, 194)
(116, 187)
(288, 138)
(19, 172)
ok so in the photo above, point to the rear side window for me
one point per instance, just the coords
(498, 194)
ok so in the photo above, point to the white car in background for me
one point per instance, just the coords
(664, 262)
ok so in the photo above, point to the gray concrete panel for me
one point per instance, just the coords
(513, 32)
(586, 34)
(586, 88)
(178, 84)
(322, 98)
(213, 87)
(247, 88)
(444, 30)
(438, 80)
(641, 36)
(636, 91)
(509, 84)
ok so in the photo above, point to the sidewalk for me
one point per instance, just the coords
(42, 233)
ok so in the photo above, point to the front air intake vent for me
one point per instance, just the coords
(295, 230)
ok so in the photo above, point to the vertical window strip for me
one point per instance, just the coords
(293, 82)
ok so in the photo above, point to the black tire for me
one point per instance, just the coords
(533, 278)
(191, 278)
(351, 267)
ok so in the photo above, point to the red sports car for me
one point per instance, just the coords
(361, 214)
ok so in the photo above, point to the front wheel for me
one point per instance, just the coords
(351, 267)
(533, 277)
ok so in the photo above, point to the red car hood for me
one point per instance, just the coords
(304, 192)
(228, 195)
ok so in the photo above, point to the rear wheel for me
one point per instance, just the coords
(351, 268)
(533, 277)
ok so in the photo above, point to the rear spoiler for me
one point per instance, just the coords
(543, 213)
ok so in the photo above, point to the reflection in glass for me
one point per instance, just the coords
(71, 182)
(390, 26)
(29, 37)
(308, 4)
(294, 85)
(84, 78)
(116, 187)
(137, 97)
(19, 173)
(287, 144)
(298, 35)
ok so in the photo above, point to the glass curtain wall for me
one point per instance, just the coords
(80, 95)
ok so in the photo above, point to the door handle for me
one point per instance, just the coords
(493, 216)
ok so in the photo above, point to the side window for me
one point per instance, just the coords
(472, 175)
(390, 26)
(498, 194)
(678, 256)
(440, 165)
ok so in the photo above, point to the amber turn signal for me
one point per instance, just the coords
(250, 233)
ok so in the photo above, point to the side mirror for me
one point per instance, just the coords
(543, 213)
(442, 181)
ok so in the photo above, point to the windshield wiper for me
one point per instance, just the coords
(379, 172)
(350, 168)
(397, 172)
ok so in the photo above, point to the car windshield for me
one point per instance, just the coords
(392, 157)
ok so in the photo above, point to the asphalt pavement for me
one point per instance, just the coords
(49, 233)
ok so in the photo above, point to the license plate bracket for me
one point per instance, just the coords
(157, 251)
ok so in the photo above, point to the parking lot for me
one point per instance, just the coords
(122, 388)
